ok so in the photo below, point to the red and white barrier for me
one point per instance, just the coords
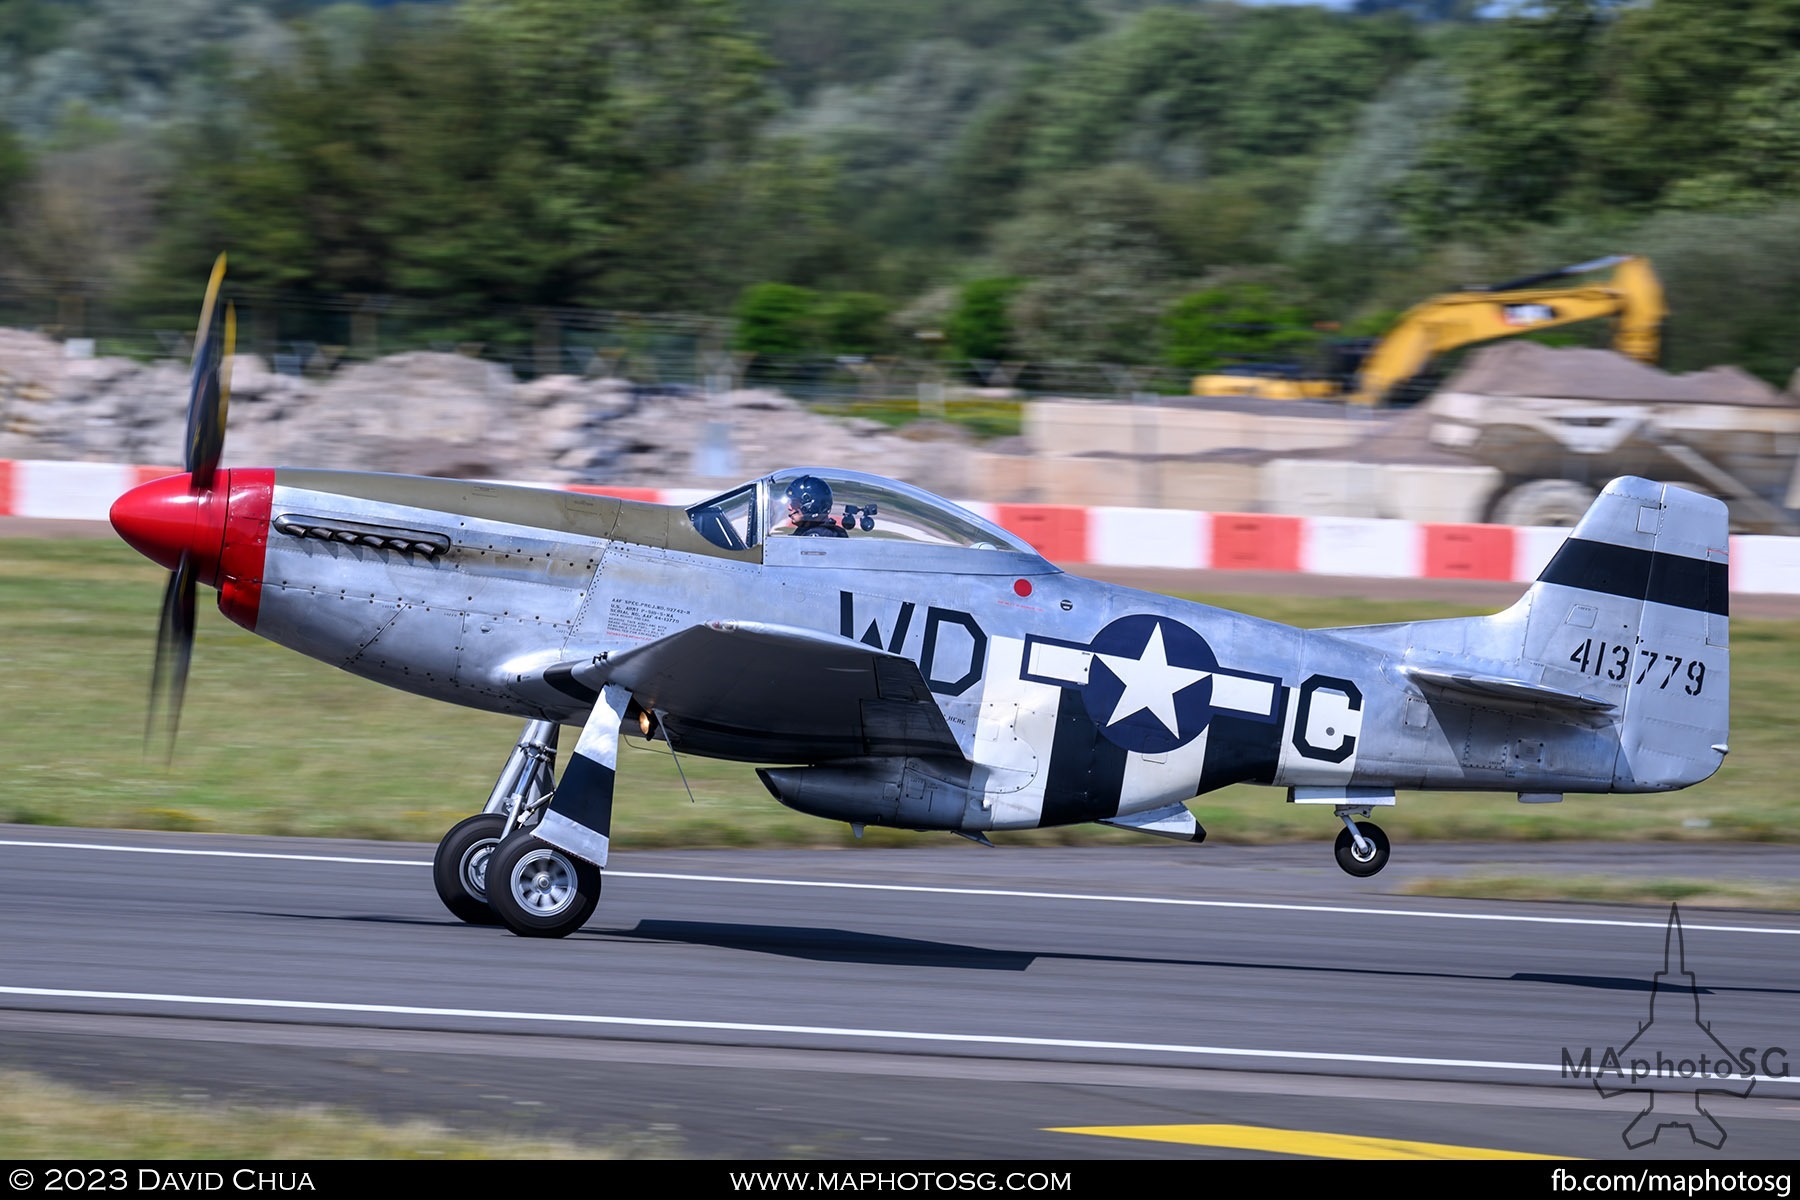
(1764, 564)
(1112, 537)
(81, 491)
(1148, 537)
(1361, 546)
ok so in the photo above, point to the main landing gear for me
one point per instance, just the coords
(532, 859)
(1361, 850)
(460, 866)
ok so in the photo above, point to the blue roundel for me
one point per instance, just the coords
(1149, 685)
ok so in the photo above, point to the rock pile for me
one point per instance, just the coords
(1530, 369)
(447, 414)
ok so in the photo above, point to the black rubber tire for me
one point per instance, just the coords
(1346, 850)
(454, 872)
(538, 890)
(1547, 502)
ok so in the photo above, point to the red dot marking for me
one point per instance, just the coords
(1022, 587)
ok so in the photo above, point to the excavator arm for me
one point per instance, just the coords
(1632, 296)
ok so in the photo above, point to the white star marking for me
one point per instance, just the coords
(1150, 683)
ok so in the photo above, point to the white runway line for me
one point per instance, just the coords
(896, 1035)
(1660, 922)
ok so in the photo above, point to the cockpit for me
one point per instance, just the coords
(819, 502)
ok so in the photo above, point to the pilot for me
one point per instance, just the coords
(809, 508)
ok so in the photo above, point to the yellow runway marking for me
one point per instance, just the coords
(1294, 1141)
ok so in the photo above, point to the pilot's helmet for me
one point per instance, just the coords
(810, 497)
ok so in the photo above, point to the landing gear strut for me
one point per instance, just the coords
(532, 860)
(459, 868)
(1361, 850)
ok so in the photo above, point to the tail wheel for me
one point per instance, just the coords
(1362, 863)
(538, 890)
(459, 868)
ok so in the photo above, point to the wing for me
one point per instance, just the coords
(1467, 686)
(774, 693)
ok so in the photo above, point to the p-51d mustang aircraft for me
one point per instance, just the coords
(914, 664)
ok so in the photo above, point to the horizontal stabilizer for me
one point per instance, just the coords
(1475, 687)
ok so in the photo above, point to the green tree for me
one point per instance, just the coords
(1758, 161)
(772, 217)
(1099, 264)
(855, 323)
(980, 326)
(1520, 139)
(1308, 73)
(613, 96)
(818, 43)
(128, 61)
(776, 320)
(1234, 322)
(505, 152)
(1150, 90)
(1684, 70)
(1733, 282)
(15, 172)
(32, 27)
(1194, 93)
(891, 141)
(780, 320)
(986, 166)
(1351, 202)
(15, 165)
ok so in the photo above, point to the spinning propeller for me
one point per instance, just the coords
(180, 521)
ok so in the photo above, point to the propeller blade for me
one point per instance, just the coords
(174, 648)
(208, 391)
(208, 394)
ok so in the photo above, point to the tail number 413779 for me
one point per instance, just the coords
(1604, 661)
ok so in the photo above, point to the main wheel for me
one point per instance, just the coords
(1362, 865)
(539, 891)
(459, 868)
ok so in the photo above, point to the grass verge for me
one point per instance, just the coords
(1700, 893)
(41, 1119)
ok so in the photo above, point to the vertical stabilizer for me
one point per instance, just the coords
(1633, 608)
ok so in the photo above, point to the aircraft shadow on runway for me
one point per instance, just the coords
(843, 945)
(820, 944)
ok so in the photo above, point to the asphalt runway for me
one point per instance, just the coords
(951, 1002)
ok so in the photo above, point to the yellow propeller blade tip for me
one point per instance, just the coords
(212, 296)
(225, 359)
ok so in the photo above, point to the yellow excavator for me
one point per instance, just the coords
(1632, 296)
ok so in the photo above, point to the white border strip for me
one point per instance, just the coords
(1361, 546)
(73, 491)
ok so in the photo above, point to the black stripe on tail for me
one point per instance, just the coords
(1651, 575)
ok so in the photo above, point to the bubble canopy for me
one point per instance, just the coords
(861, 506)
